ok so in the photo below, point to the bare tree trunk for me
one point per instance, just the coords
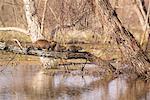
(43, 16)
(35, 30)
(32, 20)
(134, 56)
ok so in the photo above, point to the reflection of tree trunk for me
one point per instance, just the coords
(134, 89)
(133, 55)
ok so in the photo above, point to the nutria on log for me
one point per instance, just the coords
(44, 44)
(50, 45)
(74, 48)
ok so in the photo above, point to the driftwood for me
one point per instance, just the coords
(58, 55)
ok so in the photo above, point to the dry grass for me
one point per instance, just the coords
(6, 36)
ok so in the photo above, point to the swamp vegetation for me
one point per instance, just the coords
(88, 50)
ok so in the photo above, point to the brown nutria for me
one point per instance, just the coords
(44, 44)
(74, 48)
(41, 44)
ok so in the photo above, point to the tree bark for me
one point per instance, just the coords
(32, 20)
(133, 55)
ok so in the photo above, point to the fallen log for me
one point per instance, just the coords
(58, 55)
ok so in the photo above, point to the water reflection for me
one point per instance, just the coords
(27, 82)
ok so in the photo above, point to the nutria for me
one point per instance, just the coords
(50, 45)
(74, 48)
(62, 48)
(44, 44)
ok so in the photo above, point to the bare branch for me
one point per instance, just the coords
(43, 16)
(54, 15)
(14, 11)
(139, 3)
(140, 15)
(144, 22)
(14, 29)
(147, 17)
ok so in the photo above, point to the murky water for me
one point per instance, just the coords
(24, 80)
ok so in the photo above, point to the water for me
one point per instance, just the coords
(24, 80)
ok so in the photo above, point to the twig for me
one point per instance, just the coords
(14, 11)
(54, 15)
(139, 2)
(43, 16)
(145, 35)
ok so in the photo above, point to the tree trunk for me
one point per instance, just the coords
(35, 30)
(32, 20)
(133, 55)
